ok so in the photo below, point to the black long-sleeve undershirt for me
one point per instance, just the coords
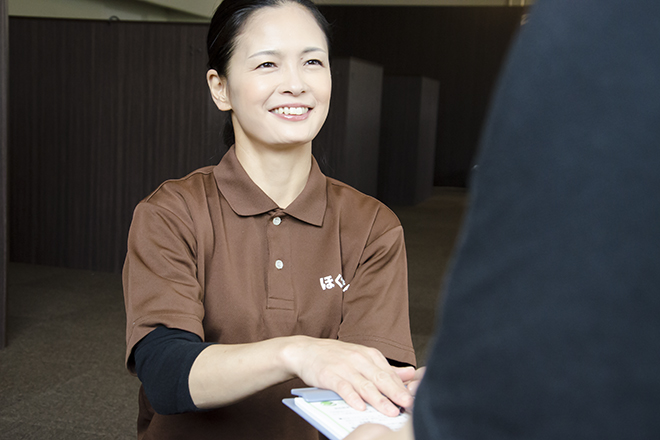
(163, 360)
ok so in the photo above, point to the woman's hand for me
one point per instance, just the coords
(358, 374)
(223, 374)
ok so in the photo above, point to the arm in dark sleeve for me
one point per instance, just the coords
(549, 327)
(163, 360)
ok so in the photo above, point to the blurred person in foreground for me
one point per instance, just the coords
(550, 327)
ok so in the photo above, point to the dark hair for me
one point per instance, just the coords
(228, 22)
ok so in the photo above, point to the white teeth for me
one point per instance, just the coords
(291, 110)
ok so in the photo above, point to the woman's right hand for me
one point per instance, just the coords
(358, 374)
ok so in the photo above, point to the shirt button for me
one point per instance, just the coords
(277, 221)
(279, 264)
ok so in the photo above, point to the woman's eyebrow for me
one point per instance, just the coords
(313, 49)
(264, 52)
(273, 52)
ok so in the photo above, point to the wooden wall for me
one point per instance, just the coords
(4, 70)
(101, 113)
(461, 47)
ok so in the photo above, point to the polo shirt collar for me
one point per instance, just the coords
(246, 199)
(312, 202)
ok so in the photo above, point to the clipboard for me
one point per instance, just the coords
(313, 395)
(328, 413)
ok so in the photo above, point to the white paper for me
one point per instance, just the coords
(340, 419)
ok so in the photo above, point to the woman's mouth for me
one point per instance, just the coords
(291, 111)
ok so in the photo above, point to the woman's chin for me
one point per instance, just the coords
(293, 142)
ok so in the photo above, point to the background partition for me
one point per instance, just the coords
(99, 117)
(410, 114)
(102, 112)
(4, 71)
(462, 47)
(347, 146)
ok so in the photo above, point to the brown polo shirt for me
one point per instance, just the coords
(212, 254)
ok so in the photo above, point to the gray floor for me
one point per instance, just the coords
(62, 374)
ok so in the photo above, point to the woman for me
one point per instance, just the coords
(260, 274)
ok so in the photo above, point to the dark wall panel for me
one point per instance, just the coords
(4, 70)
(461, 47)
(100, 114)
(407, 142)
(347, 146)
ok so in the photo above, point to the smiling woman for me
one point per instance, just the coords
(277, 87)
(261, 274)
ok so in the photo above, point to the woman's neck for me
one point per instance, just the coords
(280, 173)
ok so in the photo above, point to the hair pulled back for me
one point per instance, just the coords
(227, 24)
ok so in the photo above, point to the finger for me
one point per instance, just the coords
(368, 431)
(381, 388)
(390, 385)
(414, 386)
(347, 392)
(357, 389)
(367, 382)
(419, 374)
(388, 379)
(371, 394)
(406, 374)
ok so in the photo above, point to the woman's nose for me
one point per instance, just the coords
(293, 82)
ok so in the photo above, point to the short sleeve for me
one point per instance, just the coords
(375, 306)
(160, 272)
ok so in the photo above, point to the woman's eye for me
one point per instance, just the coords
(314, 62)
(266, 65)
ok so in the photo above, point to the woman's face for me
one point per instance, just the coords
(278, 79)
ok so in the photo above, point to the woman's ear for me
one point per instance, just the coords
(218, 87)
